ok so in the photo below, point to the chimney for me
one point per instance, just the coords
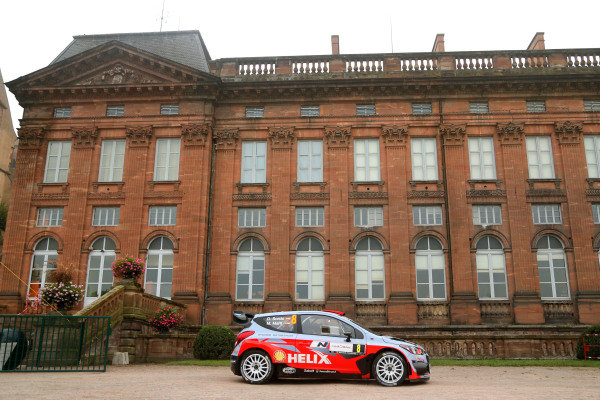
(537, 43)
(438, 44)
(335, 44)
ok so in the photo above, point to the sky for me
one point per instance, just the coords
(34, 32)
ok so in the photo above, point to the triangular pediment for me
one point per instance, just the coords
(119, 73)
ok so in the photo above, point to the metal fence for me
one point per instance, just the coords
(33, 343)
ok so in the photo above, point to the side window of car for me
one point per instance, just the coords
(280, 323)
(324, 325)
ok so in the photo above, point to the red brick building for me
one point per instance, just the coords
(423, 188)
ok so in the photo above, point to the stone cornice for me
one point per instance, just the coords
(338, 137)
(194, 134)
(282, 138)
(568, 132)
(84, 137)
(31, 137)
(510, 133)
(453, 135)
(139, 136)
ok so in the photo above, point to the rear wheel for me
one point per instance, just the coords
(390, 369)
(256, 367)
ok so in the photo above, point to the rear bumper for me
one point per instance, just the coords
(234, 365)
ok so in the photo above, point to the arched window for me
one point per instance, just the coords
(250, 277)
(310, 274)
(100, 275)
(552, 268)
(159, 267)
(430, 265)
(369, 269)
(491, 268)
(43, 262)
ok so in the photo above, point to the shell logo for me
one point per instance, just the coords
(279, 356)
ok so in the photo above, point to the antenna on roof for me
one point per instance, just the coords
(162, 14)
(391, 35)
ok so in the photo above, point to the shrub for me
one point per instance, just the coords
(214, 343)
(62, 295)
(165, 318)
(128, 267)
(594, 351)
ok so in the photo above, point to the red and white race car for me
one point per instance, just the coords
(321, 344)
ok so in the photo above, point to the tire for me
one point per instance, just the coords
(256, 367)
(389, 369)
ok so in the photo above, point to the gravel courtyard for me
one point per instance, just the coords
(189, 382)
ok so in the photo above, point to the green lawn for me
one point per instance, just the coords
(445, 362)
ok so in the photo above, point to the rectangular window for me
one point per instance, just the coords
(487, 215)
(365, 217)
(62, 112)
(115, 111)
(166, 164)
(310, 216)
(254, 162)
(309, 111)
(57, 162)
(592, 155)
(365, 109)
(366, 160)
(255, 112)
(479, 107)
(539, 157)
(169, 109)
(481, 158)
(105, 216)
(546, 214)
(163, 216)
(427, 215)
(51, 216)
(421, 108)
(591, 105)
(112, 158)
(596, 213)
(424, 159)
(310, 161)
(536, 106)
(252, 217)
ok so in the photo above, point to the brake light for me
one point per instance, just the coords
(243, 335)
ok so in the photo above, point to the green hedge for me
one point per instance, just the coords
(594, 351)
(214, 343)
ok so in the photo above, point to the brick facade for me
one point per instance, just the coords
(213, 127)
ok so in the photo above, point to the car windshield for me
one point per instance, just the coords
(361, 327)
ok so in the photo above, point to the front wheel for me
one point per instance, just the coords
(256, 367)
(390, 369)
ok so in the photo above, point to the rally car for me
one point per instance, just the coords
(321, 344)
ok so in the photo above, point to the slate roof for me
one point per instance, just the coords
(184, 47)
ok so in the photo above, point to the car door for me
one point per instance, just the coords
(326, 343)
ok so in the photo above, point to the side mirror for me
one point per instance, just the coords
(348, 336)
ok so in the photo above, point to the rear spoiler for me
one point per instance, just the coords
(242, 318)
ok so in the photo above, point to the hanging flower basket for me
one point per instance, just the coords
(62, 296)
(165, 318)
(128, 268)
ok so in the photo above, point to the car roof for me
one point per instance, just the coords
(328, 313)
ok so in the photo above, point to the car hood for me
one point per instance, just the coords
(397, 341)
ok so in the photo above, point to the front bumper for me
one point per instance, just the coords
(234, 365)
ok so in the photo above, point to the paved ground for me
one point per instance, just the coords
(192, 382)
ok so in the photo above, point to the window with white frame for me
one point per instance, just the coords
(481, 158)
(105, 216)
(366, 217)
(100, 274)
(254, 162)
(62, 112)
(112, 159)
(552, 268)
(163, 216)
(491, 269)
(250, 265)
(539, 157)
(424, 159)
(479, 107)
(49, 216)
(596, 213)
(591, 105)
(427, 215)
(57, 162)
(252, 217)
(365, 109)
(43, 263)
(309, 111)
(310, 161)
(310, 270)
(166, 164)
(592, 155)
(158, 279)
(421, 108)
(169, 109)
(546, 214)
(369, 265)
(536, 106)
(430, 266)
(255, 112)
(115, 111)
(487, 215)
(310, 216)
(366, 160)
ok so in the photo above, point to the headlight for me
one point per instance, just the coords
(412, 349)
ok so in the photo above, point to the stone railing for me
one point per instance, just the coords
(110, 304)
(557, 311)
(432, 311)
(394, 64)
(495, 310)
